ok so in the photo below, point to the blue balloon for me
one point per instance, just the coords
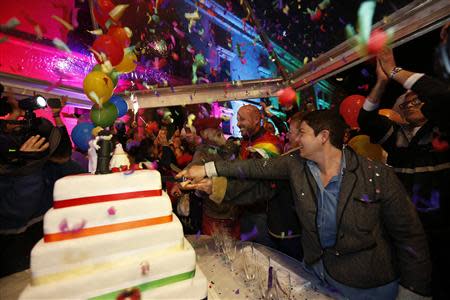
(82, 134)
(121, 104)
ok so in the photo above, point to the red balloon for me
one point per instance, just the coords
(110, 47)
(316, 16)
(120, 35)
(287, 96)
(349, 109)
(101, 11)
(378, 39)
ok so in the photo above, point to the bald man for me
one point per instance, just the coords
(256, 143)
(255, 137)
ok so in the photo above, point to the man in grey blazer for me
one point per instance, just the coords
(361, 233)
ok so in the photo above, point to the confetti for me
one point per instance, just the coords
(95, 32)
(192, 17)
(365, 73)
(61, 45)
(250, 235)
(11, 24)
(63, 22)
(117, 12)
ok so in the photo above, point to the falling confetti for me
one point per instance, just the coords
(250, 235)
(11, 24)
(61, 45)
(117, 12)
(64, 23)
(96, 32)
(192, 17)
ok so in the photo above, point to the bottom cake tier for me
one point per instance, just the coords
(168, 275)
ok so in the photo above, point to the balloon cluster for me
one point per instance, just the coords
(114, 56)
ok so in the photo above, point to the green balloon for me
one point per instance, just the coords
(114, 75)
(104, 116)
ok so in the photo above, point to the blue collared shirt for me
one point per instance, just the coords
(327, 203)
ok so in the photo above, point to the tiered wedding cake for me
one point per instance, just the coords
(113, 236)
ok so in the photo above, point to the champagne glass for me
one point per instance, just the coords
(250, 265)
(283, 284)
(230, 247)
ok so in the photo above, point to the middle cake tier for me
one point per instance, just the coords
(52, 259)
(105, 217)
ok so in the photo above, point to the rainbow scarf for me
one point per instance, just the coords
(269, 148)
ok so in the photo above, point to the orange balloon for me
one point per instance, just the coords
(392, 115)
(361, 144)
(128, 63)
(98, 87)
(120, 35)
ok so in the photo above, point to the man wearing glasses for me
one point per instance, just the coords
(418, 150)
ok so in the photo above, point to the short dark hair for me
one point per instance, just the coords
(329, 120)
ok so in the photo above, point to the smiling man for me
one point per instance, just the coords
(360, 232)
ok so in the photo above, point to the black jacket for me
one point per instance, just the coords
(423, 170)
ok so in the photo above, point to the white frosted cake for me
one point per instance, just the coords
(113, 236)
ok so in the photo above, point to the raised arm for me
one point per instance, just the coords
(434, 93)
(379, 128)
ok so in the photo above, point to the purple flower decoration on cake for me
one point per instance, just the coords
(78, 227)
(111, 211)
(63, 226)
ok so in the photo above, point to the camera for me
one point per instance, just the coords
(13, 133)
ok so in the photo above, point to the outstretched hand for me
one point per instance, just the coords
(195, 173)
(204, 185)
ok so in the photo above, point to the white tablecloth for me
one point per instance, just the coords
(222, 283)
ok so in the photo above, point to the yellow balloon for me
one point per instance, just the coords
(128, 63)
(98, 87)
(361, 144)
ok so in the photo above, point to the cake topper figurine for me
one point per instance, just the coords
(119, 160)
(92, 155)
(103, 141)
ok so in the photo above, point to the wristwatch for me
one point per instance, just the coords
(394, 72)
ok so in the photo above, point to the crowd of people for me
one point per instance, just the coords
(365, 229)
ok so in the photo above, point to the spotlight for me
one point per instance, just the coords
(32, 103)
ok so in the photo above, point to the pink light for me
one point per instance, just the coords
(37, 61)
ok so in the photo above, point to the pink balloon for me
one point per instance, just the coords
(349, 109)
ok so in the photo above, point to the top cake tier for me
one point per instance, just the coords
(87, 188)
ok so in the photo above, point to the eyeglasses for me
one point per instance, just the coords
(412, 103)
